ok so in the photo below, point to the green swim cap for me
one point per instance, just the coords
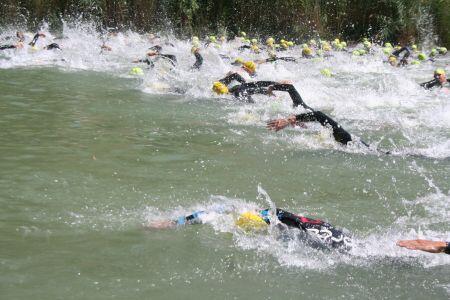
(343, 44)
(367, 44)
(326, 72)
(442, 50)
(433, 52)
(387, 51)
(388, 45)
(356, 53)
(290, 44)
(243, 34)
(254, 41)
(415, 62)
(136, 71)
(414, 47)
(362, 52)
(422, 56)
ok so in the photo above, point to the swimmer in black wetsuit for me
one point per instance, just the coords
(439, 80)
(155, 51)
(198, 59)
(241, 91)
(315, 232)
(35, 38)
(295, 96)
(19, 43)
(394, 56)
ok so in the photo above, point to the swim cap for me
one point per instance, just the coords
(362, 52)
(392, 59)
(414, 47)
(219, 88)
(387, 50)
(326, 72)
(343, 44)
(307, 52)
(194, 49)
(195, 39)
(223, 38)
(238, 61)
(442, 50)
(212, 39)
(415, 62)
(270, 41)
(254, 41)
(255, 48)
(249, 221)
(282, 41)
(433, 52)
(326, 47)
(422, 56)
(250, 66)
(367, 44)
(195, 44)
(243, 34)
(284, 45)
(439, 72)
(337, 41)
(136, 71)
(388, 45)
(290, 44)
(356, 53)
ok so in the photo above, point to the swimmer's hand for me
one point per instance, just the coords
(423, 245)
(166, 224)
(279, 124)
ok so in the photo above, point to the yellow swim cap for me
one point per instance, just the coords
(392, 59)
(193, 49)
(270, 41)
(249, 221)
(220, 88)
(326, 47)
(307, 52)
(250, 66)
(255, 48)
(439, 72)
(136, 71)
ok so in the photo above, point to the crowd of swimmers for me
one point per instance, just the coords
(241, 84)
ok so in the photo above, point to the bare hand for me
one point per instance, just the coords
(285, 82)
(277, 125)
(161, 224)
(423, 245)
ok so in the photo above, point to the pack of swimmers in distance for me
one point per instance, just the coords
(242, 86)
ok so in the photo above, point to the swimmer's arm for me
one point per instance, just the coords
(279, 124)
(183, 220)
(425, 245)
(198, 60)
(35, 38)
(233, 76)
(430, 84)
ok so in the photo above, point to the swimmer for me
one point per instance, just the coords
(18, 45)
(35, 38)
(339, 133)
(242, 91)
(155, 52)
(425, 245)
(198, 58)
(52, 46)
(394, 57)
(440, 80)
(317, 232)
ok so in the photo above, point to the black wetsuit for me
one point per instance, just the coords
(447, 249)
(404, 60)
(5, 47)
(170, 58)
(322, 232)
(273, 59)
(198, 61)
(339, 133)
(53, 46)
(432, 83)
(317, 232)
(246, 89)
(35, 39)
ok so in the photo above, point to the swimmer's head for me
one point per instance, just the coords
(422, 56)
(392, 60)
(194, 49)
(442, 50)
(440, 75)
(250, 221)
(249, 66)
(243, 34)
(270, 41)
(220, 88)
(388, 45)
(307, 52)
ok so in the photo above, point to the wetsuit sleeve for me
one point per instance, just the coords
(430, 84)
(245, 90)
(190, 219)
(198, 61)
(53, 46)
(292, 59)
(7, 47)
(339, 133)
(235, 76)
(171, 58)
(447, 249)
(399, 51)
(35, 39)
(295, 96)
(244, 47)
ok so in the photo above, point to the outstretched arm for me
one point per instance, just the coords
(35, 38)
(295, 96)
(425, 245)
(430, 84)
(183, 220)
(198, 60)
(233, 76)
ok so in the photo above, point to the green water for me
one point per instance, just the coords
(86, 159)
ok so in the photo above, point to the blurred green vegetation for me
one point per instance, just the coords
(384, 20)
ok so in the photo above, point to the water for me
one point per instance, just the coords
(90, 154)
